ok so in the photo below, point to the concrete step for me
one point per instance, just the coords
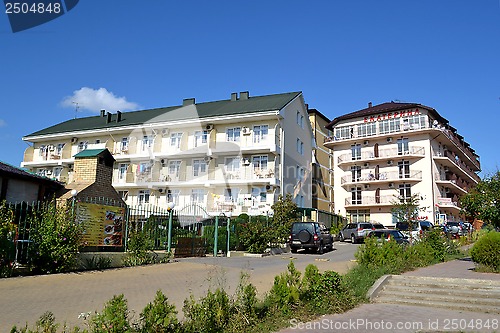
(435, 304)
(458, 294)
(422, 295)
(434, 290)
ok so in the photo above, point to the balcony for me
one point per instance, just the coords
(383, 177)
(372, 200)
(449, 160)
(453, 183)
(383, 155)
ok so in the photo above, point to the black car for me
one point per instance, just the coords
(389, 234)
(310, 236)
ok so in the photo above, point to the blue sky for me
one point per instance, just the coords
(341, 54)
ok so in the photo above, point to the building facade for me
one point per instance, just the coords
(234, 155)
(322, 164)
(396, 150)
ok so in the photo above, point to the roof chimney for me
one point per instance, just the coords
(103, 113)
(369, 104)
(244, 95)
(108, 118)
(188, 101)
(234, 97)
(118, 116)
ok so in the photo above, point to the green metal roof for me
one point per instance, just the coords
(203, 110)
(90, 152)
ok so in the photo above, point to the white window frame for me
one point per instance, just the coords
(173, 195)
(200, 138)
(260, 133)
(356, 152)
(232, 164)
(233, 134)
(143, 196)
(176, 139)
(174, 168)
(260, 162)
(199, 167)
(197, 195)
(122, 171)
(260, 193)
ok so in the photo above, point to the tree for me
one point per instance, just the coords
(406, 210)
(483, 201)
(285, 211)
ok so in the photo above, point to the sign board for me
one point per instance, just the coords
(103, 225)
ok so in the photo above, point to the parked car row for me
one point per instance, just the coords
(310, 236)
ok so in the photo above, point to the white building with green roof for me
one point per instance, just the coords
(234, 155)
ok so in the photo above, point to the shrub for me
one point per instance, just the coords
(486, 251)
(97, 263)
(211, 314)
(255, 235)
(113, 318)
(56, 239)
(7, 230)
(284, 294)
(159, 316)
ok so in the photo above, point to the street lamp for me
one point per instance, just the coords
(74, 193)
(229, 215)
(170, 208)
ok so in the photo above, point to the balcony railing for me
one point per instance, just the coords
(367, 177)
(383, 153)
(372, 200)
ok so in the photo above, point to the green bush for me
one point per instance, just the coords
(486, 251)
(255, 235)
(7, 231)
(159, 316)
(114, 318)
(284, 294)
(56, 239)
(211, 314)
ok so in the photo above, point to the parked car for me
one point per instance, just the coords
(378, 226)
(419, 228)
(389, 234)
(310, 236)
(455, 229)
(356, 231)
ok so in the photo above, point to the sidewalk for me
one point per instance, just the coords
(379, 317)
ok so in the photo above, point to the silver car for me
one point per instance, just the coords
(356, 232)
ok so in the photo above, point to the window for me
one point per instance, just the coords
(230, 194)
(42, 150)
(57, 172)
(359, 215)
(232, 164)
(343, 132)
(367, 129)
(199, 167)
(59, 149)
(259, 163)
(143, 196)
(147, 142)
(259, 194)
(260, 133)
(417, 121)
(197, 195)
(173, 196)
(122, 171)
(42, 172)
(389, 126)
(82, 145)
(175, 140)
(356, 196)
(404, 169)
(356, 173)
(143, 168)
(124, 144)
(356, 152)
(233, 134)
(174, 168)
(405, 192)
(300, 173)
(200, 138)
(403, 147)
(123, 195)
(300, 147)
(97, 141)
(298, 118)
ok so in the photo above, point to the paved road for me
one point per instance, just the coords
(24, 299)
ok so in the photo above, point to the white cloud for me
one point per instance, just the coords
(95, 100)
(2, 123)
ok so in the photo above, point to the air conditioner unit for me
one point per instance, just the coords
(447, 190)
(268, 187)
(366, 142)
(164, 131)
(245, 161)
(49, 172)
(207, 159)
(160, 190)
(245, 130)
(446, 169)
(209, 127)
(74, 140)
(367, 186)
(389, 139)
(389, 162)
(391, 185)
(366, 164)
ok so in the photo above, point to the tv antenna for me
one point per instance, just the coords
(77, 107)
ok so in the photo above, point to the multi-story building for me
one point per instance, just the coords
(399, 149)
(322, 165)
(234, 155)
